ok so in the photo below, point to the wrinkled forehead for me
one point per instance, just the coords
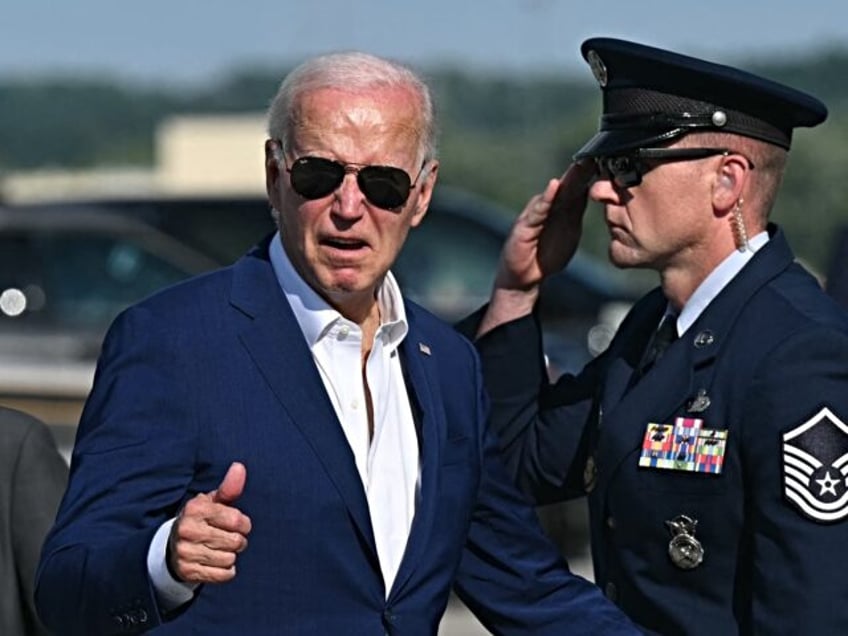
(386, 117)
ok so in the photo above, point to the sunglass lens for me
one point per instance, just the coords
(624, 170)
(384, 186)
(315, 177)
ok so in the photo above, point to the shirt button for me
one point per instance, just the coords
(611, 522)
(354, 404)
(344, 330)
(611, 591)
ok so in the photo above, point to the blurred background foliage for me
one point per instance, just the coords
(501, 136)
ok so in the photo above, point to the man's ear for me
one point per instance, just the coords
(273, 160)
(730, 182)
(425, 185)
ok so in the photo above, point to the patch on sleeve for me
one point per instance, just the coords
(815, 467)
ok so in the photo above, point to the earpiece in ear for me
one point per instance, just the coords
(726, 181)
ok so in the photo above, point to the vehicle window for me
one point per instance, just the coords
(87, 278)
(448, 265)
(20, 277)
(223, 230)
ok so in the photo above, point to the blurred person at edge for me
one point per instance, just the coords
(33, 476)
(295, 400)
(711, 436)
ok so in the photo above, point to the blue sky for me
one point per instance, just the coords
(194, 40)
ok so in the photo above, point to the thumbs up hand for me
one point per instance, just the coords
(210, 532)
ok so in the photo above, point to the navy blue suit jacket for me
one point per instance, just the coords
(765, 357)
(217, 370)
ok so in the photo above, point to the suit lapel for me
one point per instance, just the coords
(275, 342)
(419, 358)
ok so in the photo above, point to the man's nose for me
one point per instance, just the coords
(349, 197)
(603, 190)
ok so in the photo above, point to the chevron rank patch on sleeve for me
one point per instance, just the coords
(815, 467)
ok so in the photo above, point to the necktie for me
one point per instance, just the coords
(663, 337)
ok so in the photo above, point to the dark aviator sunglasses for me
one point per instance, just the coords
(384, 186)
(626, 170)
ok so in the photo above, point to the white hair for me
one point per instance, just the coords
(351, 71)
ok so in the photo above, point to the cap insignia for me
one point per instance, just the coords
(599, 70)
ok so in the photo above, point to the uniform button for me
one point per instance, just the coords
(344, 330)
(611, 522)
(611, 591)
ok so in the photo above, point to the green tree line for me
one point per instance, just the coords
(502, 136)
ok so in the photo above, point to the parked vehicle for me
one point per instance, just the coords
(64, 275)
(447, 264)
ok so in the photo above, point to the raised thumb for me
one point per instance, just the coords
(232, 485)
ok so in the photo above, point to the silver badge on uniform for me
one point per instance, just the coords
(685, 551)
(815, 467)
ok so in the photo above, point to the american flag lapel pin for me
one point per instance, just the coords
(425, 349)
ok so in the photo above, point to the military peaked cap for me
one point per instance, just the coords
(652, 96)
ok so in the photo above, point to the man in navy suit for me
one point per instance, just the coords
(712, 436)
(287, 446)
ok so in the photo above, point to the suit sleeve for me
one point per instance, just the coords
(132, 462)
(542, 428)
(511, 576)
(40, 477)
(798, 560)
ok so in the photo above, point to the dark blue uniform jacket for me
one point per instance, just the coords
(765, 371)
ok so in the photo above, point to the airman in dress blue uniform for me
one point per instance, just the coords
(715, 455)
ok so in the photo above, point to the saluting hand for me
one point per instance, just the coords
(210, 532)
(542, 241)
(545, 235)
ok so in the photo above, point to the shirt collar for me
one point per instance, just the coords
(718, 280)
(315, 316)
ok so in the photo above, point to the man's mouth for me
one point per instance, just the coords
(346, 244)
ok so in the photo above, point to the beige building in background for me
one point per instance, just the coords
(193, 155)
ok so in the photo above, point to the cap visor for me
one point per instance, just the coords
(614, 142)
